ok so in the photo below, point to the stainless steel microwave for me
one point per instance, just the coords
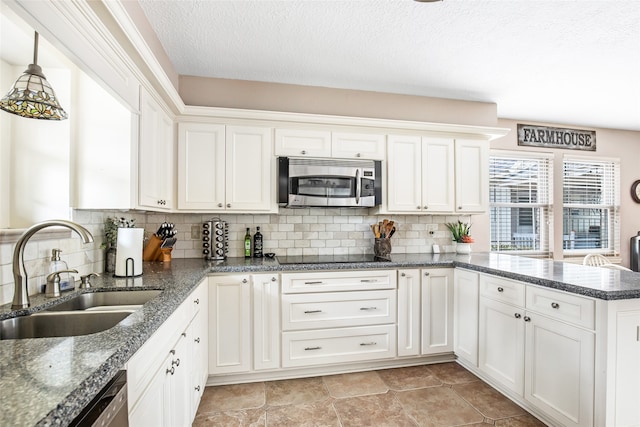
(329, 182)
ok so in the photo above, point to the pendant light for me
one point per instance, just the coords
(31, 95)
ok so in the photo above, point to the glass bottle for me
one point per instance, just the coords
(247, 244)
(257, 244)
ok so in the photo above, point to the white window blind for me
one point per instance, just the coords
(520, 198)
(591, 206)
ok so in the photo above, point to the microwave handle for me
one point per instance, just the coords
(358, 187)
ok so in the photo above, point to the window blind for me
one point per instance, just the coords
(520, 197)
(591, 205)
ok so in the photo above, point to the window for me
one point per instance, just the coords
(590, 206)
(520, 198)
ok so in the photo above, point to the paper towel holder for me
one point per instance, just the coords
(128, 274)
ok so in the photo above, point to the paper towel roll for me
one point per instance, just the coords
(129, 252)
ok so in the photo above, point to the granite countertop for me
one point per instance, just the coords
(47, 381)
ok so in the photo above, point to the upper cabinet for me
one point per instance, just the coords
(324, 143)
(155, 156)
(436, 175)
(225, 168)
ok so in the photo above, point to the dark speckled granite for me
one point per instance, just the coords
(48, 381)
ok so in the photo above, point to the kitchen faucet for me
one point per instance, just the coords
(21, 291)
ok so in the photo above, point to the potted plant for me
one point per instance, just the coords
(111, 225)
(461, 235)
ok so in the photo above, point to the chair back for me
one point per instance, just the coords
(595, 260)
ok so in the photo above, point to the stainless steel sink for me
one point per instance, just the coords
(107, 301)
(67, 324)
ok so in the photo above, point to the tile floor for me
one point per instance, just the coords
(427, 396)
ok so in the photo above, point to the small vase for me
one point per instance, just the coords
(110, 260)
(463, 248)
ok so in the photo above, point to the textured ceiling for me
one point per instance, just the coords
(563, 61)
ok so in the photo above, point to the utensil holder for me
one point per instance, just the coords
(382, 249)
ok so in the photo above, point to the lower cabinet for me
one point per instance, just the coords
(164, 371)
(465, 315)
(437, 311)
(627, 368)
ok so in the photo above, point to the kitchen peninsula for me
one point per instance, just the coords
(48, 381)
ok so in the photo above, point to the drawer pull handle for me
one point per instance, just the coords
(172, 352)
(312, 311)
(518, 315)
(368, 343)
(369, 280)
(312, 348)
(368, 308)
(314, 283)
(196, 301)
(555, 305)
(198, 388)
(527, 319)
(197, 340)
(638, 333)
(171, 371)
(175, 362)
(500, 289)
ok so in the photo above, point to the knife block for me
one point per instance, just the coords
(152, 250)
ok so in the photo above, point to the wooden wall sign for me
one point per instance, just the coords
(550, 137)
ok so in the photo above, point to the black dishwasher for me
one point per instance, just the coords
(108, 408)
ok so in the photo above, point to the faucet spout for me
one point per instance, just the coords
(20, 279)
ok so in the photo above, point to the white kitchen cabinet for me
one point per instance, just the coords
(197, 336)
(225, 168)
(465, 315)
(472, 176)
(436, 310)
(266, 321)
(325, 143)
(156, 156)
(627, 363)
(409, 312)
(436, 175)
(346, 145)
(229, 324)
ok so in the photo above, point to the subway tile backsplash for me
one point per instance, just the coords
(304, 231)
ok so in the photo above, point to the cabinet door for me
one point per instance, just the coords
(346, 145)
(155, 156)
(178, 386)
(472, 176)
(404, 176)
(199, 346)
(409, 312)
(627, 375)
(266, 324)
(229, 324)
(151, 410)
(249, 168)
(438, 175)
(303, 143)
(201, 166)
(437, 310)
(501, 343)
(465, 315)
(559, 370)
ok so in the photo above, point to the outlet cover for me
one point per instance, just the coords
(195, 232)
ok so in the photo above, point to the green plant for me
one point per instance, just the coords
(461, 231)
(111, 226)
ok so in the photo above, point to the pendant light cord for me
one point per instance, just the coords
(35, 49)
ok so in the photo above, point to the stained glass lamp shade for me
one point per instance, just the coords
(32, 96)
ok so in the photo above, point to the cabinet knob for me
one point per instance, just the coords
(219, 205)
(418, 207)
(426, 274)
(303, 152)
(500, 289)
(459, 208)
(527, 319)
(555, 305)
(273, 279)
(357, 154)
(518, 315)
(402, 274)
(244, 280)
(425, 207)
(228, 205)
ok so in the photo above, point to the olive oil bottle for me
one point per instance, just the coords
(247, 244)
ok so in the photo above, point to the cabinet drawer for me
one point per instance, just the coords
(562, 306)
(338, 281)
(332, 309)
(306, 348)
(504, 290)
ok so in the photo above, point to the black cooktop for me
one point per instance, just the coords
(326, 259)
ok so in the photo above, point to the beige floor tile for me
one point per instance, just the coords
(380, 410)
(487, 400)
(232, 397)
(438, 406)
(521, 421)
(356, 384)
(452, 373)
(246, 418)
(292, 392)
(409, 378)
(317, 414)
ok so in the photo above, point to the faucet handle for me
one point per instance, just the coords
(85, 281)
(52, 289)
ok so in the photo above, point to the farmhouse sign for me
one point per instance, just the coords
(550, 137)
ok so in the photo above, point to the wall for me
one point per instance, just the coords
(624, 145)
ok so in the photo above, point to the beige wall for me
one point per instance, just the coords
(624, 145)
(254, 95)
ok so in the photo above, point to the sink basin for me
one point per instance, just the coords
(41, 325)
(107, 301)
